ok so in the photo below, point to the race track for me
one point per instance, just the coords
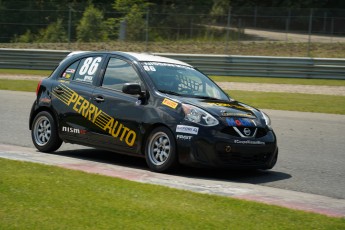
(311, 145)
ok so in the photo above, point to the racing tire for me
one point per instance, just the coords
(160, 150)
(44, 133)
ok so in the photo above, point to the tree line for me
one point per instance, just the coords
(89, 21)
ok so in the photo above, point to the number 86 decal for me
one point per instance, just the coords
(90, 66)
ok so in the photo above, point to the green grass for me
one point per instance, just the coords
(294, 81)
(35, 196)
(18, 85)
(291, 101)
(26, 72)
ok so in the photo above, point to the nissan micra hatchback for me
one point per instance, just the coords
(155, 107)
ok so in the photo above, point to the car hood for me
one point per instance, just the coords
(228, 111)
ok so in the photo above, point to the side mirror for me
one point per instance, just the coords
(132, 88)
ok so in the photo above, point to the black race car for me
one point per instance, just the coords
(155, 107)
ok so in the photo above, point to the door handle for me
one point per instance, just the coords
(59, 91)
(99, 99)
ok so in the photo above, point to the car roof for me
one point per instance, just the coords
(145, 57)
(141, 57)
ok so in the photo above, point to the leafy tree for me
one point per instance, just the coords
(134, 12)
(290, 3)
(27, 37)
(220, 7)
(91, 27)
(55, 32)
(26, 20)
(178, 19)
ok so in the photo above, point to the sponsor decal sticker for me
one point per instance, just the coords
(184, 137)
(240, 122)
(149, 64)
(228, 105)
(249, 142)
(187, 129)
(92, 113)
(70, 130)
(170, 103)
(45, 100)
(88, 78)
(230, 114)
(70, 71)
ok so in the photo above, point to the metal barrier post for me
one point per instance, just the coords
(310, 30)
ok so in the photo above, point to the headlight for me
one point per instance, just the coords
(267, 119)
(199, 116)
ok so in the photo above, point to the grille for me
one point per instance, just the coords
(260, 132)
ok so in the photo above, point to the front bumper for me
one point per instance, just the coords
(221, 150)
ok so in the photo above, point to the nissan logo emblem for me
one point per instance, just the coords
(246, 131)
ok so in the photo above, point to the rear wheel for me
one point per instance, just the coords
(160, 150)
(44, 133)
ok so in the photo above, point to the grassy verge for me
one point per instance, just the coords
(292, 101)
(35, 196)
(26, 72)
(294, 81)
(18, 85)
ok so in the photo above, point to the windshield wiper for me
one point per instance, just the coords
(169, 92)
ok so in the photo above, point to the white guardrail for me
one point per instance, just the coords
(222, 65)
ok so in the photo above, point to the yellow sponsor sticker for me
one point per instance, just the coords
(227, 105)
(170, 103)
(95, 115)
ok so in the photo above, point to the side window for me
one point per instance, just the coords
(118, 73)
(70, 71)
(87, 69)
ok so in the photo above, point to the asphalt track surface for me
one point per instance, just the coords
(311, 161)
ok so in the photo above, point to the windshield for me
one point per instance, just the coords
(182, 81)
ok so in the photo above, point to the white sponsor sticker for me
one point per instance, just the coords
(187, 129)
(184, 137)
(88, 78)
(249, 142)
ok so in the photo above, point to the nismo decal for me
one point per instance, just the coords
(92, 113)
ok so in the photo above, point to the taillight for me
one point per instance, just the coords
(38, 87)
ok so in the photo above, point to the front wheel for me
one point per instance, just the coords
(160, 150)
(44, 133)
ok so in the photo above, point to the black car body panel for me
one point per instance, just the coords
(90, 108)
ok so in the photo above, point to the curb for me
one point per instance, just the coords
(285, 198)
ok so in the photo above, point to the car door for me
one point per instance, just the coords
(119, 124)
(71, 98)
